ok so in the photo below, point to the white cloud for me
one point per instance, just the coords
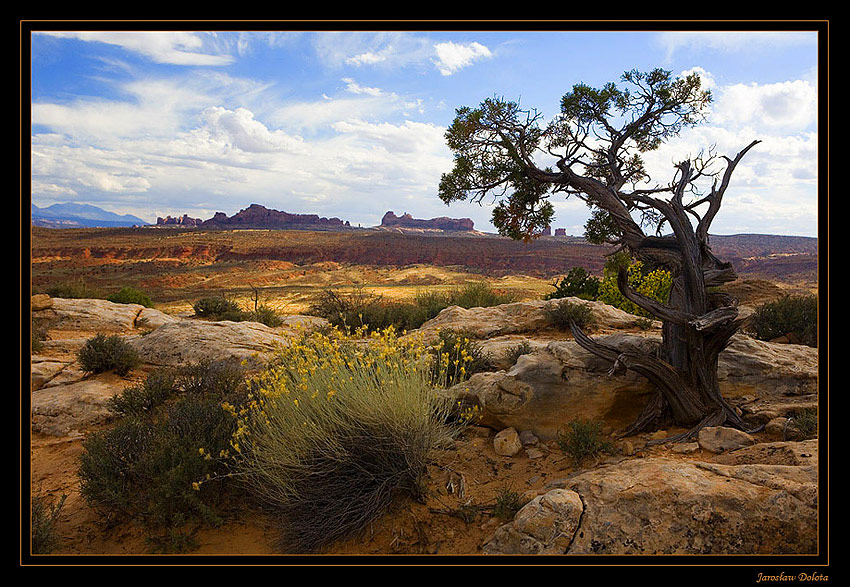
(790, 106)
(452, 57)
(731, 41)
(176, 48)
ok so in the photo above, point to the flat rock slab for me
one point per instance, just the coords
(68, 410)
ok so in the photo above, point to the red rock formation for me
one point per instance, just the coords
(441, 223)
(184, 220)
(257, 216)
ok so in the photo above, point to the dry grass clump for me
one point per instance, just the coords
(336, 430)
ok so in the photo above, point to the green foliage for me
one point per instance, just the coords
(457, 356)
(43, 523)
(215, 307)
(362, 309)
(805, 424)
(495, 143)
(654, 284)
(221, 308)
(577, 283)
(103, 353)
(508, 503)
(129, 295)
(513, 353)
(77, 289)
(583, 439)
(561, 313)
(795, 315)
(164, 463)
(336, 431)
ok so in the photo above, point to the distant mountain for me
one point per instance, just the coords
(257, 216)
(71, 215)
(441, 223)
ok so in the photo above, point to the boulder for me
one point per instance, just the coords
(92, 315)
(507, 443)
(719, 439)
(662, 505)
(192, 341)
(560, 381)
(515, 318)
(68, 410)
(545, 525)
(41, 302)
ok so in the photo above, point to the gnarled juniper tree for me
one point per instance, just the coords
(593, 151)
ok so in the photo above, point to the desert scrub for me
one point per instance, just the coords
(562, 312)
(796, 316)
(582, 439)
(508, 503)
(457, 356)
(335, 430)
(513, 353)
(165, 462)
(77, 289)
(804, 424)
(214, 307)
(43, 523)
(479, 294)
(129, 295)
(103, 353)
(578, 283)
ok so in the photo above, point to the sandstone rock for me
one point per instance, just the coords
(799, 453)
(719, 439)
(528, 438)
(545, 525)
(686, 448)
(191, 341)
(99, 315)
(560, 381)
(519, 317)
(68, 410)
(506, 443)
(43, 369)
(41, 302)
(666, 506)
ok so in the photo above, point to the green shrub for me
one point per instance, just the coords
(129, 295)
(513, 353)
(264, 315)
(142, 399)
(479, 294)
(794, 315)
(577, 283)
(457, 356)
(43, 523)
(165, 461)
(654, 284)
(805, 424)
(73, 290)
(108, 353)
(215, 307)
(337, 431)
(562, 312)
(583, 439)
(508, 503)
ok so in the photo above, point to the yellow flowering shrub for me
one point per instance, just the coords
(335, 428)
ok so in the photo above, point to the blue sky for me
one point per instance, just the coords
(350, 124)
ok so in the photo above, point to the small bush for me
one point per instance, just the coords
(336, 431)
(103, 353)
(583, 439)
(577, 283)
(479, 294)
(129, 295)
(457, 356)
(44, 517)
(508, 503)
(214, 307)
(561, 313)
(794, 315)
(77, 289)
(805, 424)
(165, 461)
(513, 354)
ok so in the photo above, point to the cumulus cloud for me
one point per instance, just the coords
(790, 105)
(452, 57)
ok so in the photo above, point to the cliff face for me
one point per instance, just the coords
(441, 223)
(256, 216)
